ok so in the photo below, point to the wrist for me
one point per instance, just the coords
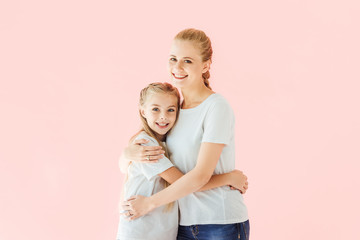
(153, 203)
(229, 178)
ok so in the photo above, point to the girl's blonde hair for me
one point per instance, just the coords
(156, 88)
(202, 41)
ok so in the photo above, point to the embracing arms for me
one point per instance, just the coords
(192, 181)
(136, 152)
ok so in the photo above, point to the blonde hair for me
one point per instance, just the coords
(156, 88)
(203, 42)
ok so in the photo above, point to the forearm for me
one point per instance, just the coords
(173, 174)
(217, 181)
(189, 183)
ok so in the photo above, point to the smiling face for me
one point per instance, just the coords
(160, 112)
(185, 64)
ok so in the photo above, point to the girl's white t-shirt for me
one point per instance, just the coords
(212, 121)
(143, 180)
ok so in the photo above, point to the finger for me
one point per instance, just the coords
(154, 152)
(146, 161)
(152, 148)
(127, 208)
(151, 159)
(126, 202)
(124, 213)
(130, 199)
(133, 217)
(140, 141)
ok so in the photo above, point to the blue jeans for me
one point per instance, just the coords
(215, 231)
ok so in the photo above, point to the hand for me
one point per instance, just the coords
(145, 154)
(239, 181)
(137, 206)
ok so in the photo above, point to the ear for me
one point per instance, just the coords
(206, 66)
(142, 112)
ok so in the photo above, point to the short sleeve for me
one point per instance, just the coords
(151, 170)
(219, 123)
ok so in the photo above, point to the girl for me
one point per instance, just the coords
(159, 108)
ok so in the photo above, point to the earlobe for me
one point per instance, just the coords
(206, 66)
(142, 112)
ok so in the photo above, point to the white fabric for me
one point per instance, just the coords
(211, 121)
(143, 180)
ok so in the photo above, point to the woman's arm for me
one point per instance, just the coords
(136, 152)
(208, 157)
(234, 178)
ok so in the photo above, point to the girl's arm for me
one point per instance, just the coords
(192, 181)
(234, 178)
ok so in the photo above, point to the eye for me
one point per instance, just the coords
(188, 61)
(155, 109)
(173, 59)
(171, 110)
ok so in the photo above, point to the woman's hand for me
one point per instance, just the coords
(137, 206)
(145, 154)
(239, 181)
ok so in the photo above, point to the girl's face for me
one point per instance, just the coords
(185, 63)
(160, 112)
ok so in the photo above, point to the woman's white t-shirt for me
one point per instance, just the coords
(143, 180)
(212, 121)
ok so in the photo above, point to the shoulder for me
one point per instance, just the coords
(217, 101)
(144, 135)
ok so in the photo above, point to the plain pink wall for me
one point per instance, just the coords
(70, 76)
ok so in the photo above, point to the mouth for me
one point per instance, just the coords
(162, 125)
(179, 76)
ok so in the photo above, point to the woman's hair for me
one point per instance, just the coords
(156, 88)
(203, 43)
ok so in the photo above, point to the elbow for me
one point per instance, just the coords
(202, 179)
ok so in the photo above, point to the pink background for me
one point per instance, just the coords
(70, 76)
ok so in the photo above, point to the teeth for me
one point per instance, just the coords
(179, 76)
(162, 124)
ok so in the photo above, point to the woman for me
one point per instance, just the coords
(200, 144)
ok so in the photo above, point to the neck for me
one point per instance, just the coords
(194, 95)
(162, 138)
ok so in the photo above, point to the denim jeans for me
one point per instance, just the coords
(215, 231)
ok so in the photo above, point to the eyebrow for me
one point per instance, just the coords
(160, 106)
(184, 57)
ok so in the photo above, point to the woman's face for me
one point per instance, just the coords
(185, 63)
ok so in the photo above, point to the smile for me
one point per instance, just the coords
(162, 125)
(179, 76)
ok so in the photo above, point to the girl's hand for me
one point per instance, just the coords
(145, 154)
(137, 206)
(239, 181)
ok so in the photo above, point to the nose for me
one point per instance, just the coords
(178, 65)
(163, 115)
